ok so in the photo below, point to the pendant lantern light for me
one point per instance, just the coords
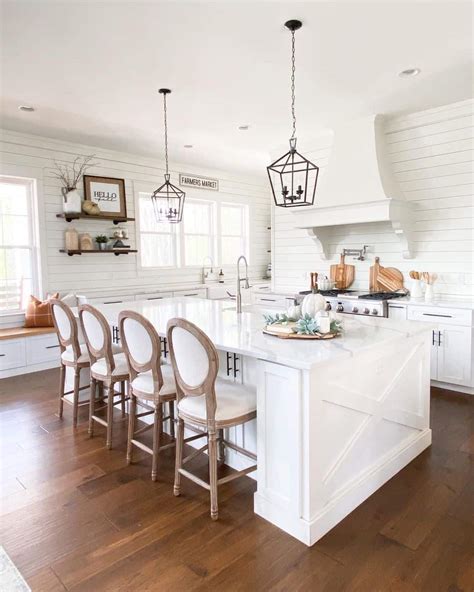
(168, 200)
(293, 178)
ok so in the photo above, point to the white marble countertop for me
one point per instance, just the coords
(242, 333)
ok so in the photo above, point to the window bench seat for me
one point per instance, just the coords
(16, 332)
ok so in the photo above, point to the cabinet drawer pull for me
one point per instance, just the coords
(2, 355)
(433, 335)
(52, 346)
(156, 298)
(267, 299)
(432, 314)
(114, 302)
(393, 306)
(191, 294)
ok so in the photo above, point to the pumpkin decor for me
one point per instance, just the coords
(294, 312)
(312, 304)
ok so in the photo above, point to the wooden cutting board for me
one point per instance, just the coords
(384, 279)
(342, 274)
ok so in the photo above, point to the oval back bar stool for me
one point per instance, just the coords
(152, 384)
(200, 404)
(107, 368)
(73, 355)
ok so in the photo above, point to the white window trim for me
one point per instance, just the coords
(214, 208)
(178, 229)
(34, 177)
(246, 223)
(148, 188)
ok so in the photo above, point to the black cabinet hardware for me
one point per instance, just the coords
(430, 314)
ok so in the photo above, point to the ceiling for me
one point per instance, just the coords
(92, 69)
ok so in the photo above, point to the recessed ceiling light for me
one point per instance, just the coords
(26, 108)
(409, 72)
(243, 127)
(188, 145)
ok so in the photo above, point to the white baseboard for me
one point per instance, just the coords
(453, 387)
(28, 369)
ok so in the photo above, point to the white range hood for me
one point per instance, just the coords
(357, 187)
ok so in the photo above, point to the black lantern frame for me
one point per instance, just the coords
(168, 202)
(293, 179)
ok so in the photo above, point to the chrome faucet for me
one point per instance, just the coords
(205, 273)
(239, 280)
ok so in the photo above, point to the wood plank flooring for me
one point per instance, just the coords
(75, 517)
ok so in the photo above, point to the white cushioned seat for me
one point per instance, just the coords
(121, 366)
(144, 382)
(68, 354)
(232, 400)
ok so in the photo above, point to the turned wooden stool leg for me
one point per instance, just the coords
(220, 446)
(172, 420)
(93, 389)
(213, 473)
(122, 392)
(157, 430)
(131, 426)
(179, 457)
(75, 401)
(62, 388)
(110, 414)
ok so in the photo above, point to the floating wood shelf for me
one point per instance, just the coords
(117, 220)
(115, 252)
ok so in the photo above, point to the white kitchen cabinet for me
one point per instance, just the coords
(451, 348)
(455, 354)
(44, 348)
(111, 299)
(273, 300)
(197, 293)
(12, 354)
(397, 312)
(154, 296)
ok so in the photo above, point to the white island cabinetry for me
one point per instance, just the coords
(335, 419)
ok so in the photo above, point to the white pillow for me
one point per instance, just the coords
(69, 299)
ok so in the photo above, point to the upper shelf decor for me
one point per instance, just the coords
(293, 178)
(168, 200)
(72, 203)
(108, 193)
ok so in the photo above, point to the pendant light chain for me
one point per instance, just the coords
(293, 69)
(166, 131)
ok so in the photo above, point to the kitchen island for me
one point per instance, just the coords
(335, 419)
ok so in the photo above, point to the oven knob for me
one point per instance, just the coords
(355, 309)
(366, 311)
(328, 306)
(340, 308)
(375, 311)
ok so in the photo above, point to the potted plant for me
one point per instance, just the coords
(101, 241)
(72, 203)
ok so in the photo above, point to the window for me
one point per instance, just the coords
(234, 232)
(18, 248)
(198, 232)
(157, 241)
(187, 244)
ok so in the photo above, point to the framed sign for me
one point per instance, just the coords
(108, 193)
(198, 182)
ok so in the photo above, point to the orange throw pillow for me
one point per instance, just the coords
(38, 313)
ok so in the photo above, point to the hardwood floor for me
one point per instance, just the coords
(75, 517)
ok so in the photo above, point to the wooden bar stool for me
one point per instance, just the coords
(152, 384)
(107, 368)
(73, 355)
(195, 364)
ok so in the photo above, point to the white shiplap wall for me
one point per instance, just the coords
(34, 156)
(432, 157)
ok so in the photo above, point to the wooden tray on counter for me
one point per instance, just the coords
(296, 336)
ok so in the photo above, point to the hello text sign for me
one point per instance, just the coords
(198, 182)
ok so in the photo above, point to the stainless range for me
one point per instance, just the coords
(358, 303)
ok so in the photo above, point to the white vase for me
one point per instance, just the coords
(416, 291)
(429, 293)
(72, 203)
